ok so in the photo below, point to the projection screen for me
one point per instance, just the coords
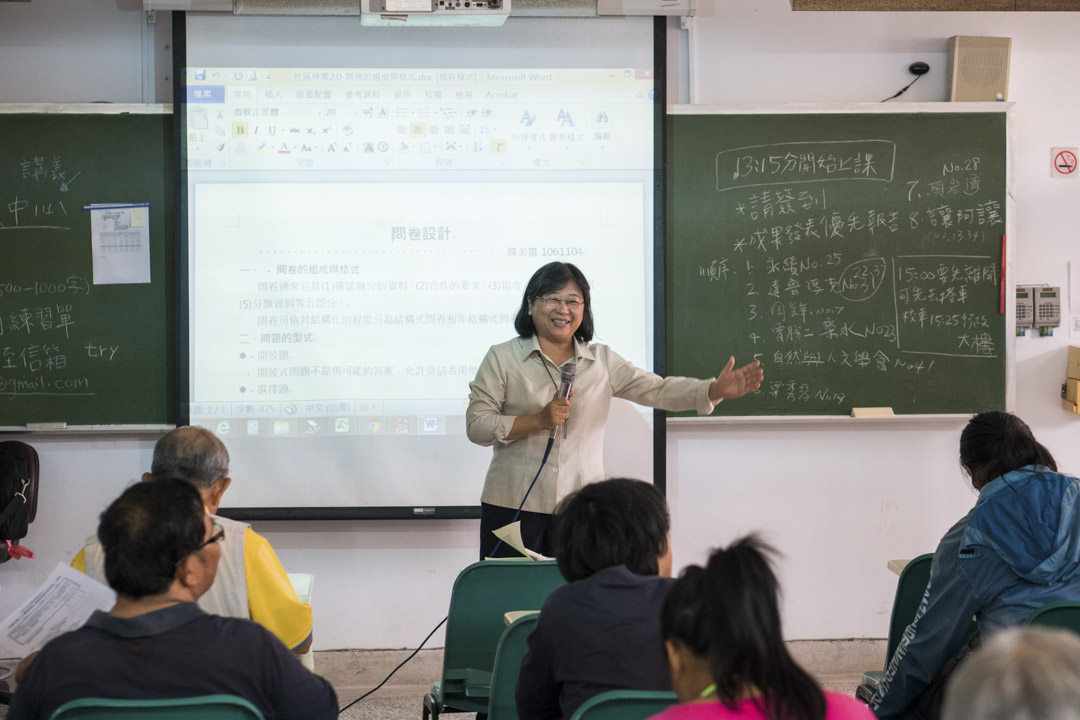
(363, 209)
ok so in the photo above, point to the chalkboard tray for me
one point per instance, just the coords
(858, 255)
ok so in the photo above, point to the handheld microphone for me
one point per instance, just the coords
(569, 372)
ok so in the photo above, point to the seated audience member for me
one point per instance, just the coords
(161, 554)
(251, 582)
(728, 660)
(1017, 549)
(600, 631)
(1028, 673)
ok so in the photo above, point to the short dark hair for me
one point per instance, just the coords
(609, 523)
(146, 531)
(193, 453)
(729, 613)
(996, 443)
(552, 278)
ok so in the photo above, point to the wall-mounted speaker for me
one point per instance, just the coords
(979, 68)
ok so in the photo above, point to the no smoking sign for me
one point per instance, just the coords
(1063, 162)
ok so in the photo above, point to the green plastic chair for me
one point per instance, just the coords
(483, 593)
(1061, 614)
(625, 705)
(504, 675)
(204, 707)
(910, 588)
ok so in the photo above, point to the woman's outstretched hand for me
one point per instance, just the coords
(736, 383)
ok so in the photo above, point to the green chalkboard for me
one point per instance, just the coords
(73, 349)
(858, 256)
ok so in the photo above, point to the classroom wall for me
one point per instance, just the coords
(838, 501)
(85, 51)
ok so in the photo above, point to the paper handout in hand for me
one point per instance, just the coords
(63, 602)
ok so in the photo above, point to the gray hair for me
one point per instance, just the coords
(1027, 673)
(190, 453)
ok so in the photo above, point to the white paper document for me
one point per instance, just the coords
(120, 243)
(62, 603)
(511, 535)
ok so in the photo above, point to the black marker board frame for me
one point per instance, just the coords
(851, 315)
(111, 365)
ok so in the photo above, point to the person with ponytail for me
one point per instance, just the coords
(1016, 550)
(726, 653)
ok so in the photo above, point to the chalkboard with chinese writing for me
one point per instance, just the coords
(858, 256)
(74, 351)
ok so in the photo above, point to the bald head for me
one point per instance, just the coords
(191, 453)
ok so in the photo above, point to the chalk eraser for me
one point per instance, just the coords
(871, 412)
(47, 426)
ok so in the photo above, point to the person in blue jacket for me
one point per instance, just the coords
(1016, 550)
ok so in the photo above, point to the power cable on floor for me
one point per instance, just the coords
(420, 647)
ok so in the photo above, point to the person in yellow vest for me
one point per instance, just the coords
(251, 583)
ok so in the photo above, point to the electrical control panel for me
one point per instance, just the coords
(1025, 307)
(1047, 306)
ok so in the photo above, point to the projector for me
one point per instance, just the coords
(415, 13)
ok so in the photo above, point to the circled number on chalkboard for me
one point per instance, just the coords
(862, 279)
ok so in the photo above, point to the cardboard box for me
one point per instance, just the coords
(1072, 386)
(1074, 362)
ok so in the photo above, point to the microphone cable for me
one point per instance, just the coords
(547, 451)
(400, 665)
(569, 373)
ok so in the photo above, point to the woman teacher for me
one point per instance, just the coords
(514, 404)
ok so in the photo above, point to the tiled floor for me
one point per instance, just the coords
(837, 664)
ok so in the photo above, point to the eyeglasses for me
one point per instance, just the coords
(551, 302)
(217, 534)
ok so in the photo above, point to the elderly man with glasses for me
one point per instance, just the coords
(161, 554)
(251, 582)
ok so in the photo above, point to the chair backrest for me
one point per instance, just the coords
(504, 676)
(910, 589)
(1061, 614)
(483, 593)
(205, 707)
(625, 705)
